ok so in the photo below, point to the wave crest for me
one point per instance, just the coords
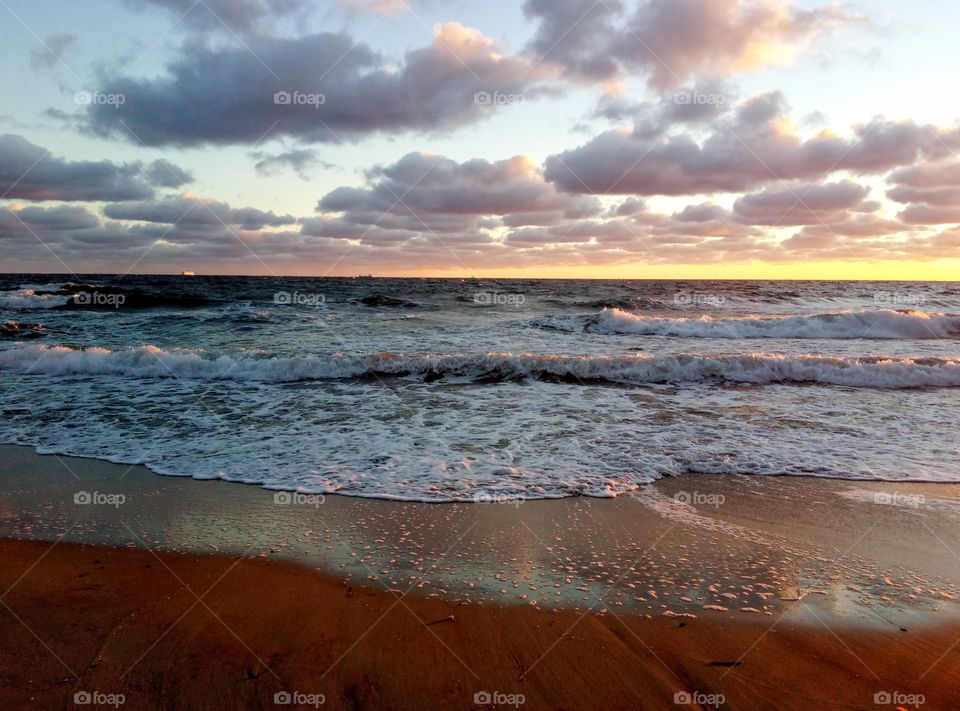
(753, 368)
(866, 324)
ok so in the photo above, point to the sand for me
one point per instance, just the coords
(782, 594)
(180, 631)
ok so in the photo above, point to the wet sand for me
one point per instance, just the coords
(775, 593)
(181, 631)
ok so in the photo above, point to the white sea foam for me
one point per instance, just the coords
(419, 440)
(753, 368)
(28, 298)
(866, 324)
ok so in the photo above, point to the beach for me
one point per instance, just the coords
(553, 355)
(182, 594)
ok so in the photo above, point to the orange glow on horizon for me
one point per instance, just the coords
(939, 270)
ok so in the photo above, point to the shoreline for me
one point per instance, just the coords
(35, 449)
(696, 544)
(777, 594)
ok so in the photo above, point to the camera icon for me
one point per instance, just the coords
(82, 698)
(281, 97)
(282, 297)
(683, 98)
(682, 497)
(483, 297)
(883, 697)
(83, 297)
(482, 498)
(482, 697)
(284, 498)
(282, 698)
(483, 98)
(83, 498)
(83, 98)
(683, 698)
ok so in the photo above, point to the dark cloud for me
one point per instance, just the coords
(751, 146)
(300, 160)
(704, 212)
(63, 217)
(431, 194)
(165, 174)
(319, 88)
(189, 211)
(239, 16)
(572, 33)
(673, 40)
(803, 204)
(30, 172)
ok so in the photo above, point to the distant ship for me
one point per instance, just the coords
(187, 273)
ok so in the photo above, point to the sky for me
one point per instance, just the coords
(544, 138)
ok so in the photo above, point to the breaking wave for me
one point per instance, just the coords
(752, 368)
(865, 324)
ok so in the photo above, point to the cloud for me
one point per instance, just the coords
(190, 211)
(165, 174)
(572, 33)
(322, 88)
(931, 190)
(52, 49)
(380, 7)
(673, 40)
(30, 172)
(233, 16)
(676, 39)
(752, 145)
(804, 204)
(62, 217)
(427, 194)
(300, 160)
(931, 215)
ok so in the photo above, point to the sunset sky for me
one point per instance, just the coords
(560, 138)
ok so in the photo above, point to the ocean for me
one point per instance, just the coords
(482, 390)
